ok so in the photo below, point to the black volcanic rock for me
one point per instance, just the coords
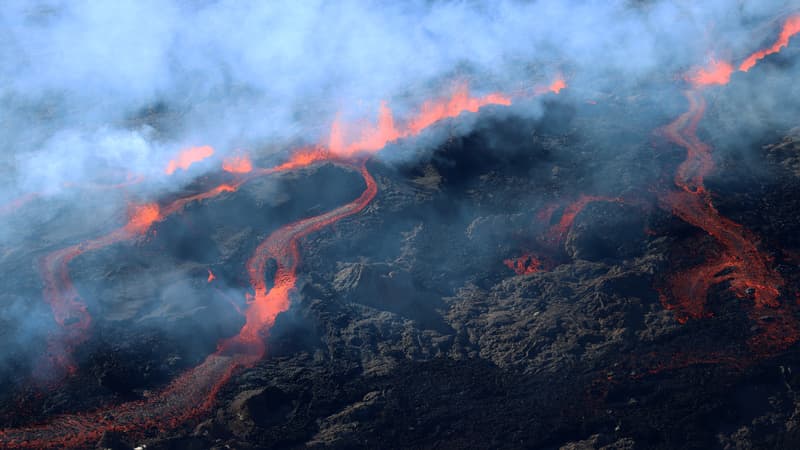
(606, 229)
(407, 330)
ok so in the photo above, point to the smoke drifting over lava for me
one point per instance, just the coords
(88, 85)
(165, 158)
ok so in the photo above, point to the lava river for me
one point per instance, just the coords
(749, 272)
(192, 394)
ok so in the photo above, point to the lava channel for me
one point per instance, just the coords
(192, 394)
(749, 272)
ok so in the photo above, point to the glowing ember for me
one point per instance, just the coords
(790, 28)
(188, 157)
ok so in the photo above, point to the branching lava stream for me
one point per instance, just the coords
(193, 393)
(740, 262)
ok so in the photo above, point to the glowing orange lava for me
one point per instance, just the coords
(460, 102)
(237, 164)
(142, 218)
(188, 157)
(194, 392)
(790, 28)
(554, 236)
(740, 263)
(523, 265)
(555, 87)
(559, 231)
(717, 72)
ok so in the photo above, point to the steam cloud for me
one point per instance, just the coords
(80, 78)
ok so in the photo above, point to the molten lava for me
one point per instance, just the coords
(194, 392)
(188, 157)
(372, 139)
(524, 265)
(717, 72)
(790, 28)
(142, 218)
(555, 87)
(237, 164)
(559, 231)
(740, 263)
(461, 101)
(529, 263)
(69, 312)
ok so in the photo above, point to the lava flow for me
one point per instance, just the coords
(717, 72)
(790, 28)
(188, 157)
(740, 263)
(558, 232)
(193, 393)
(237, 164)
(555, 87)
(523, 265)
(529, 263)
(69, 311)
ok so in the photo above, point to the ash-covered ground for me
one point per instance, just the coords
(409, 329)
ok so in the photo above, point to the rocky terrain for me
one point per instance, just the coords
(408, 330)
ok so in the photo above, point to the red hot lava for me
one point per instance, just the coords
(559, 231)
(188, 157)
(717, 72)
(237, 164)
(748, 271)
(555, 87)
(193, 393)
(790, 28)
(69, 311)
(528, 263)
(524, 265)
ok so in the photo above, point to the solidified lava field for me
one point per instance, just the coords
(503, 250)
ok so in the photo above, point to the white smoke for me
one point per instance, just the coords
(231, 74)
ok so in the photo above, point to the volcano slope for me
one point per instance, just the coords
(409, 328)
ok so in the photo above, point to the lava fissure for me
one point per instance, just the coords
(193, 393)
